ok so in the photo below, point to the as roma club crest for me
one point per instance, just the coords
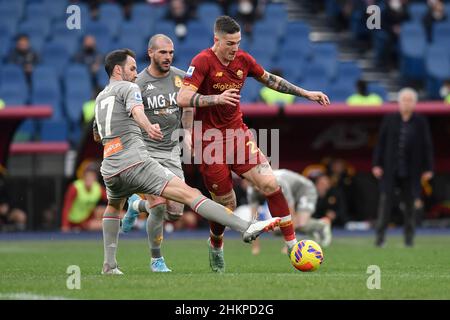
(240, 74)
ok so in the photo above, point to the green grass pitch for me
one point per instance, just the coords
(38, 269)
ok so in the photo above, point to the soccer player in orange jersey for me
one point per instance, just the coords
(212, 85)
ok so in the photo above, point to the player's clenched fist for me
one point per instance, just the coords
(230, 97)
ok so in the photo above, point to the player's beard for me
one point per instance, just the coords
(163, 68)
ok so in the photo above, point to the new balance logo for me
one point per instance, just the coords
(150, 87)
(219, 74)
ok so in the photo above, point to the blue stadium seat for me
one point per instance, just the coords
(37, 42)
(39, 26)
(340, 91)
(302, 45)
(16, 6)
(98, 29)
(53, 130)
(260, 49)
(48, 96)
(8, 9)
(437, 64)
(5, 42)
(55, 55)
(332, 8)
(316, 78)
(33, 10)
(70, 41)
(102, 77)
(199, 35)
(197, 42)
(134, 42)
(348, 71)
(245, 42)
(26, 131)
(326, 54)
(111, 15)
(78, 84)
(412, 49)
(441, 33)
(141, 13)
(165, 27)
(12, 73)
(271, 28)
(250, 91)
(74, 109)
(59, 29)
(183, 57)
(291, 68)
(8, 25)
(297, 30)
(417, 11)
(57, 9)
(207, 13)
(14, 94)
(44, 76)
(276, 12)
(130, 27)
(358, 26)
(147, 15)
(260, 54)
(375, 87)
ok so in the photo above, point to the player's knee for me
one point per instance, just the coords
(173, 216)
(227, 200)
(174, 211)
(268, 186)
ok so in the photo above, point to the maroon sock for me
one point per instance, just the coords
(216, 231)
(279, 208)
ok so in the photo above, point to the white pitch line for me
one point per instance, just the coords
(28, 296)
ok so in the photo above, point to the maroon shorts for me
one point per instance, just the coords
(238, 153)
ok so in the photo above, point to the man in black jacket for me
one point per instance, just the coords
(403, 156)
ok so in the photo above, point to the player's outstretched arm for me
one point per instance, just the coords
(188, 97)
(281, 85)
(153, 130)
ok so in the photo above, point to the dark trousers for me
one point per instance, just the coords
(402, 192)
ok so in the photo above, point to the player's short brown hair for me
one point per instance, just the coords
(226, 24)
(117, 57)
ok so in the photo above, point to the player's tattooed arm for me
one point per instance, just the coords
(188, 97)
(281, 85)
(198, 100)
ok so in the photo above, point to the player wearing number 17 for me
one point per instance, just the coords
(212, 85)
(127, 166)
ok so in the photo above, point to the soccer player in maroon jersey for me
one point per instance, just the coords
(212, 85)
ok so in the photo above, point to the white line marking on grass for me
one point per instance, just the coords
(28, 296)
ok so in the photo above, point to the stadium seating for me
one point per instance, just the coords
(417, 11)
(412, 48)
(441, 33)
(111, 15)
(53, 130)
(275, 43)
(437, 64)
(207, 13)
(250, 91)
(26, 131)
